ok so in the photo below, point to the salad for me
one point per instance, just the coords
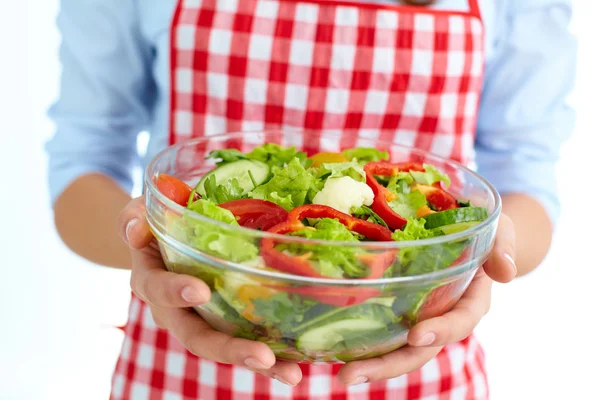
(337, 201)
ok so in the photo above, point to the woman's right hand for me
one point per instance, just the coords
(170, 296)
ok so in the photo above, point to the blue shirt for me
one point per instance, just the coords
(115, 83)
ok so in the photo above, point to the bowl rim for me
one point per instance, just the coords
(150, 187)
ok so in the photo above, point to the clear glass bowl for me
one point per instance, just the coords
(317, 320)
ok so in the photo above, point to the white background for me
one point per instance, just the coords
(56, 311)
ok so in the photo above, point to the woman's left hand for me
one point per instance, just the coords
(427, 338)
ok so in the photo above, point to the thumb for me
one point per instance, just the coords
(501, 265)
(132, 225)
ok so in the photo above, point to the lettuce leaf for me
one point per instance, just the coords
(277, 156)
(407, 204)
(430, 176)
(413, 230)
(228, 191)
(289, 187)
(211, 239)
(337, 170)
(270, 153)
(365, 154)
(226, 156)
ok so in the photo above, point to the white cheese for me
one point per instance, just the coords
(344, 193)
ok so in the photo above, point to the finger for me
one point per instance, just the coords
(132, 225)
(205, 342)
(459, 322)
(286, 372)
(152, 283)
(501, 266)
(399, 362)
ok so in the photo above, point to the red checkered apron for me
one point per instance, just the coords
(408, 74)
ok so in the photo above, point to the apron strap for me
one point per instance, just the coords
(474, 8)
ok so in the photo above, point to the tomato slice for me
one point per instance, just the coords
(325, 157)
(173, 188)
(256, 214)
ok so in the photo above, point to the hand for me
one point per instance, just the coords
(171, 295)
(427, 338)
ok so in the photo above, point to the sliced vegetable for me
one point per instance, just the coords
(300, 265)
(325, 157)
(365, 154)
(256, 214)
(173, 188)
(456, 216)
(244, 171)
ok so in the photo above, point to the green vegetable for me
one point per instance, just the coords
(276, 155)
(413, 230)
(365, 154)
(289, 187)
(343, 328)
(337, 170)
(211, 239)
(227, 155)
(283, 310)
(456, 216)
(246, 173)
(372, 216)
(408, 202)
(229, 191)
(430, 176)
(407, 205)
(329, 260)
(211, 210)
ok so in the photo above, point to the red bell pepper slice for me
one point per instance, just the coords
(256, 214)
(435, 195)
(300, 265)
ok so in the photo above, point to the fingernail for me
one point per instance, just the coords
(280, 379)
(358, 380)
(512, 262)
(426, 339)
(130, 226)
(191, 296)
(253, 363)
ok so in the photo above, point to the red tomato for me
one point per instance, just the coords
(256, 214)
(173, 188)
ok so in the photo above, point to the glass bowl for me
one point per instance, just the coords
(311, 320)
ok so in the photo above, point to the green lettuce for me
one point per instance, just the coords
(270, 153)
(365, 154)
(419, 260)
(227, 155)
(337, 170)
(282, 310)
(430, 176)
(364, 211)
(211, 239)
(228, 191)
(289, 187)
(408, 202)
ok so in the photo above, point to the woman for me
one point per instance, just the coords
(381, 68)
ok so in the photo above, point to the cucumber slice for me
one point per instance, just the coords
(454, 228)
(456, 216)
(328, 336)
(239, 170)
(340, 325)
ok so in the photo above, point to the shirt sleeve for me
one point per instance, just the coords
(524, 117)
(105, 93)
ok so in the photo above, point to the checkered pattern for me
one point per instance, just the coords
(410, 75)
(154, 365)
